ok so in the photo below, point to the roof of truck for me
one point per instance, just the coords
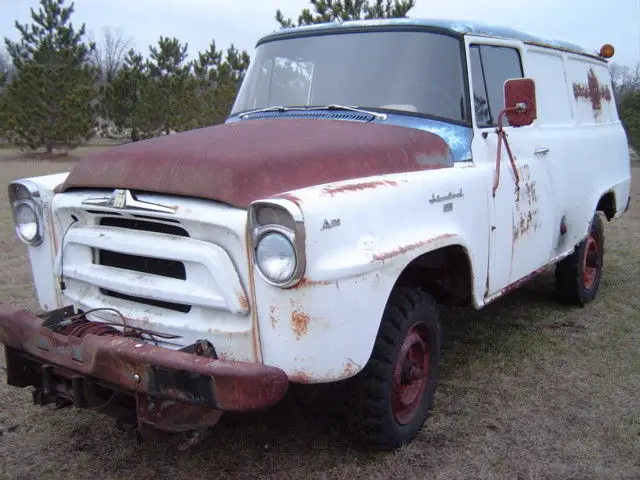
(457, 26)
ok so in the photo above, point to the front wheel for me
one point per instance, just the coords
(578, 276)
(389, 400)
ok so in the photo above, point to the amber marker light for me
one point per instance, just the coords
(607, 51)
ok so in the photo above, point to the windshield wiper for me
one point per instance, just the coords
(277, 108)
(381, 116)
(280, 108)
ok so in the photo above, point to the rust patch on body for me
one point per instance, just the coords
(350, 369)
(592, 91)
(300, 323)
(273, 316)
(517, 284)
(355, 187)
(531, 192)
(306, 282)
(289, 196)
(244, 303)
(380, 257)
(300, 376)
(523, 226)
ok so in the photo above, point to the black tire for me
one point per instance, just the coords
(579, 275)
(377, 418)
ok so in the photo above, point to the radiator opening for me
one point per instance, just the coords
(154, 266)
(145, 226)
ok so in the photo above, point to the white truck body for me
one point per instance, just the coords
(360, 234)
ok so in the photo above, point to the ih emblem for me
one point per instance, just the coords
(119, 199)
(124, 200)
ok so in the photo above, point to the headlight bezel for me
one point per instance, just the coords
(32, 200)
(292, 229)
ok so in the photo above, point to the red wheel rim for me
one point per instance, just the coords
(411, 375)
(590, 264)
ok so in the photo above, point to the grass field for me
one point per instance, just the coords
(529, 389)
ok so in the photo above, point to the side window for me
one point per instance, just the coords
(495, 65)
(480, 99)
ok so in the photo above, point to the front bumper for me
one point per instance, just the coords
(159, 382)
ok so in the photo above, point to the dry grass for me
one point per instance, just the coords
(529, 389)
(11, 153)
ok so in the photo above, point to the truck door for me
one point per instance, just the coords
(521, 207)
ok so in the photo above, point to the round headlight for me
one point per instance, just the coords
(276, 258)
(26, 222)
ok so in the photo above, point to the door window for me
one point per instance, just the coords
(491, 67)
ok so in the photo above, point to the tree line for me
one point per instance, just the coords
(59, 88)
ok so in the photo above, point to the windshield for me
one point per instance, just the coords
(419, 72)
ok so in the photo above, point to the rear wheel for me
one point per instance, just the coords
(389, 400)
(579, 275)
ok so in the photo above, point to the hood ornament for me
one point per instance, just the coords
(124, 200)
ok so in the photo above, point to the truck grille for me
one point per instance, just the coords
(134, 224)
(153, 266)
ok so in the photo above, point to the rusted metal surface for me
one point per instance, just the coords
(81, 328)
(244, 303)
(520, 282)
(524, 224)
(502, 137)
(526, 211)
(240, 162)
(307, 282)
(300, 376)
(171, 416)
(380, 257)
(350, 369)
(289, 196)
(521, 90)
(273, 316)
(140, 367)
(356, 187)
(300, 323)
(592, 91)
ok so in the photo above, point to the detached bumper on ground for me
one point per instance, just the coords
(129, 378)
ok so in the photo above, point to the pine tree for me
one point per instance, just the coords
(124, 98)
(168, 97)
(217, 78)
(344, 10)
(50, 100)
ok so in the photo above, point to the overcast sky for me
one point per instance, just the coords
(586, 22)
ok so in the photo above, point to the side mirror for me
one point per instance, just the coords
(520, 101)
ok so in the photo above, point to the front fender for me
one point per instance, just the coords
(41, 256)
(358, 243)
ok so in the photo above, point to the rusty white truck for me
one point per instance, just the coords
(368, 172)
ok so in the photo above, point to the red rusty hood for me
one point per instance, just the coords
(239, 162)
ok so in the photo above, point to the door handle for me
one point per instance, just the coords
(541, 150)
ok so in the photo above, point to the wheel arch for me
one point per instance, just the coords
(607, 204)
(446, 273)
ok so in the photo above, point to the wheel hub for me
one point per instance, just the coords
(591, 261)
(411, 375)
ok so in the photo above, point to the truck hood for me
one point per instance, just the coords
(237, 163)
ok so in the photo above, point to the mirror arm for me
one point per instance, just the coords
(502, 137)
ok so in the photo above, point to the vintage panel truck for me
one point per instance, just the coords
(367, 172)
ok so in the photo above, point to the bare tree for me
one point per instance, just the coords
(110, 52)
(624, 79)
(6, 67)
